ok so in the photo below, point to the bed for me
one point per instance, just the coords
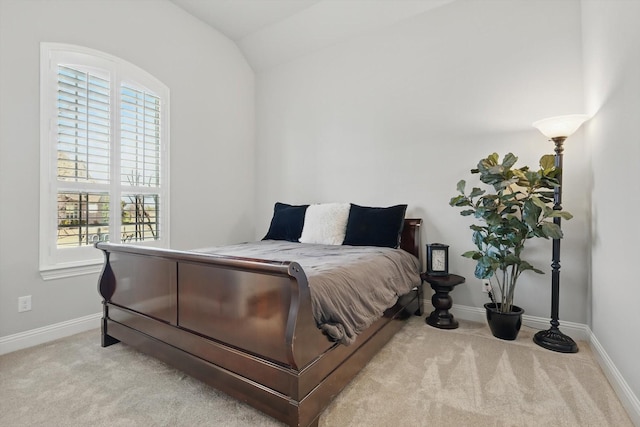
(240, 324)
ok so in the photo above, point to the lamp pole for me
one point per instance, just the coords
(558, 129)
(552, 338)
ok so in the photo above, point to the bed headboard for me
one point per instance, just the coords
(410, 239)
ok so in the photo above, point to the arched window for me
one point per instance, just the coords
(104, 157)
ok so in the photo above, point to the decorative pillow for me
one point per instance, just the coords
(371, 226)
(325, 223)
(287, 222)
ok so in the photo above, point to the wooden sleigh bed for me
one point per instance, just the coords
(244, 326)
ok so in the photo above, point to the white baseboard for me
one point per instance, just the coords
(625, 394)
(48, 333)
(577, 331)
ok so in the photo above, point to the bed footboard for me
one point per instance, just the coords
(244, 326)
(256, 306)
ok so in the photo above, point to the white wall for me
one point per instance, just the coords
(402, 114)
(612, 82)
(398, 115)
(212, 135)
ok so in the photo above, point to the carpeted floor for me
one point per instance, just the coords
(424, 376)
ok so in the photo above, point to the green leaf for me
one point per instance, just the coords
(471, 254)
(467, 212)
(551, 230)
(477, 239)
(538, 202)
(533, 178)
(561, 214)
(493, 159)
(524, 265)
(501, 185)
(522, 178)
(509, 160)
(460, 186)
(531, 213)
(475, 192)
(511, 260)
(459, 201)
(485, 267)
(547, 162)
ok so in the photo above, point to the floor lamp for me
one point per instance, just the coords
(558, 129)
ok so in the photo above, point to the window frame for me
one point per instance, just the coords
(66, 262)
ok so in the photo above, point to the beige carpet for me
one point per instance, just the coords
(425, 376)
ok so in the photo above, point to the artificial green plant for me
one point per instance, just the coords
(519, 208)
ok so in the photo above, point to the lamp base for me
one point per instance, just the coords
(553, 339)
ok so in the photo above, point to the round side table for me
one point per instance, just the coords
(441, 300)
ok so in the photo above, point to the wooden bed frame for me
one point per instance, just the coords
(243, 326)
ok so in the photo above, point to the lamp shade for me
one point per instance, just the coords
(553, 127)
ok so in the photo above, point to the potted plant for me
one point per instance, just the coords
(518, 209)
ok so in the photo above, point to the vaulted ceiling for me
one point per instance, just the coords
(271, 32)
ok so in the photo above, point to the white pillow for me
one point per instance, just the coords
(325, 223)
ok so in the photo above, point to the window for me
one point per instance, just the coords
(104, 158)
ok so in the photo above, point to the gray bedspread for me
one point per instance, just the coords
(350, 286)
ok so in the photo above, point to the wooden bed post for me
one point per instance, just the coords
(410, 242)
(106, 287)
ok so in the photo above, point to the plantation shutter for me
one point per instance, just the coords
(140, 138)
(83, 138)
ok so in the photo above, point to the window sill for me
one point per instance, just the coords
(70, 270)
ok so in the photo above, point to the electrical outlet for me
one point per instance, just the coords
(24, 303)
(486, 285)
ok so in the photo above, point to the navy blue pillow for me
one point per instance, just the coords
(370, 226)
(287, 222)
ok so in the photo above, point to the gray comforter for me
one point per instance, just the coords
(350, 286)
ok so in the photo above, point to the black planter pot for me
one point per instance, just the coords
(504, 325)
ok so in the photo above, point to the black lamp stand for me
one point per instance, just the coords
(552, 338)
